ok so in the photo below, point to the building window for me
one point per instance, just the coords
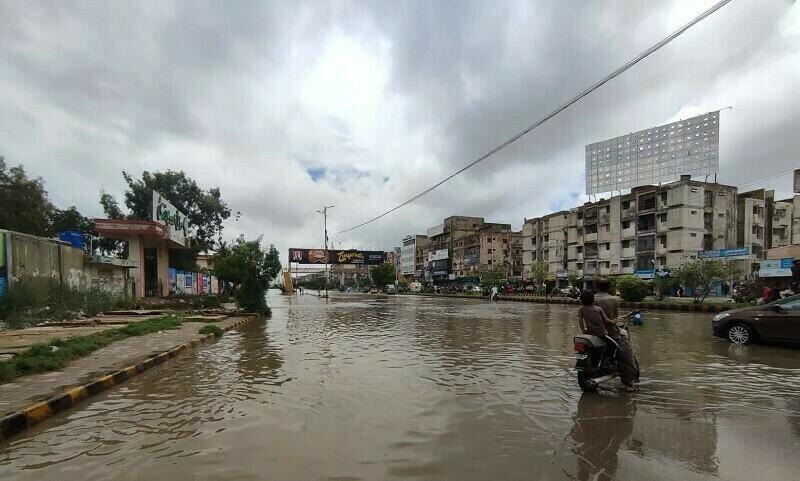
(693, 234)
(693, 212)
(720, 215)
(626, 224)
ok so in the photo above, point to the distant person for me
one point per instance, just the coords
(493, 296)
(679, 291)
(775, 293)
(593, 320)
(766, 295)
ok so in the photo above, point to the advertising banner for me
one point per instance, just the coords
(187, 282)
(330, 256)
(195, 287)
(776, 267)
(176, 221)
(173, 280)
(737, 253)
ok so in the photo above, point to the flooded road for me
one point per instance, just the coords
(405, 387)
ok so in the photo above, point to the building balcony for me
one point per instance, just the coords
(590, 237)
(605, 254)
(628, 253)
(605, 271)
(628, 213)
(661, 250)
(626, 270)
(605, 218)
(628, 233)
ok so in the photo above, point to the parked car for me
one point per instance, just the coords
(416, 287)
(777, 322)
(390, 289)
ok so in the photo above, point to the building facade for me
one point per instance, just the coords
(651, 227)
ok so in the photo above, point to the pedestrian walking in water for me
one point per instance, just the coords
(493, 296)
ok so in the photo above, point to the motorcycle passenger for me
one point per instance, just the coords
(594, 321)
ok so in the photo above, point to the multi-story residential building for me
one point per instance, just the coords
(421, 249)
(784, 218)
(545, 239)
(650, 227)
(409, 256)
(471, 245)
(753, 224)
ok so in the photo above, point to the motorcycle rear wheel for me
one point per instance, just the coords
(585, 382)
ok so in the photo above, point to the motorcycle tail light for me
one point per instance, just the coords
(581, 347)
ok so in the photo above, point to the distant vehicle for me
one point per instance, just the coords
(374, 290)
(777, 322)
(416, 287)
(390, 289)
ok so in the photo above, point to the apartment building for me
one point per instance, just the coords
(754, 221)
(470, 245)
(410, 257)
(650, 227)
(545, 239)
(785, 223)
(500, 246)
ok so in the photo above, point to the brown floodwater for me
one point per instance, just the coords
(405, 387)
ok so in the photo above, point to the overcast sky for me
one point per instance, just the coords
(288, 106)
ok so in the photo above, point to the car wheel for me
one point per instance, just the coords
(740, 334)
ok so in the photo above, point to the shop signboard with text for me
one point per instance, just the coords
(176, 222)
(737, 253)
(775, 267)
(330, 256)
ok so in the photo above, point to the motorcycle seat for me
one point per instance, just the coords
(594, 341)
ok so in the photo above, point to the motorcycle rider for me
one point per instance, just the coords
(609, 305)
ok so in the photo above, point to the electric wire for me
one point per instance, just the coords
(555, 112)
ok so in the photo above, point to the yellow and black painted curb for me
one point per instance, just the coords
(21, 420)
(668, 306)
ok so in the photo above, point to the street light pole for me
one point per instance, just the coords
(324, 213)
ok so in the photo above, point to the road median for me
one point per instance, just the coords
(35, 397)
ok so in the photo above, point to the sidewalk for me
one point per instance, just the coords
(119, 355)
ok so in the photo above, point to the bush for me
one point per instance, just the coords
(205, 302)
(211, 329)
(632, 288)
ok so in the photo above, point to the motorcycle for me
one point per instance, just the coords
(595, 357)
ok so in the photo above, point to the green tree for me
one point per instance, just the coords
(632, 288)
(492, 275)
(24, 203)
(70, 219)
(110, 206)
(540, 271)
(700, 275)
(383, 274)
(250, 269)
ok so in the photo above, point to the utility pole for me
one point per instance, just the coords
(324, 213)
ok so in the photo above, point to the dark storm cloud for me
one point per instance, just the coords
(231, 92)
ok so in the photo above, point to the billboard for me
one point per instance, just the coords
(176, 221)
(654, 155)
(330, 256)
(776, 267)
(736, 253)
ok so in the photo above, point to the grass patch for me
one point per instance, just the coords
(55, 354)
(211, 329)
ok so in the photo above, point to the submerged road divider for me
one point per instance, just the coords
(650, 305)
(28, 416)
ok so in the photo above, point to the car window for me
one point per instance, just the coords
(791, 304)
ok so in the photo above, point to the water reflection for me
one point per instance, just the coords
(602, 425)
(369, 387)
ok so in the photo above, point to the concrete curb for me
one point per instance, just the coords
(21, 420)
(667, 306)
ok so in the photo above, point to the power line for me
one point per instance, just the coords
(768, 177)
(555, 112)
